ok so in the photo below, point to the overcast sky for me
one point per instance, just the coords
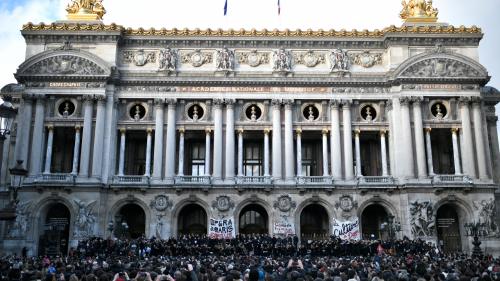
(314, 14)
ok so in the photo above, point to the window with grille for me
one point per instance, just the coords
(252, 159)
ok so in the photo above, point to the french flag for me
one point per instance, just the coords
(225, 8)
(279, 8)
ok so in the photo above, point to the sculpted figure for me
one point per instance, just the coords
(86, 7)
(85, 219)
(339, 60)
(168, 60)
(19, 228)
(282, 60)
(418, 8)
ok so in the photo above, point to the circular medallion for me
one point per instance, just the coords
(253, 59)
(310, 60)
(160, 203)
(196, 59)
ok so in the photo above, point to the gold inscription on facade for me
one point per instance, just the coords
(253, 89)
(65, 84)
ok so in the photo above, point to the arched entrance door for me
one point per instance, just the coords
(54, 238)
(448, 229)
(130, 222)
(192, 220)
(371, 220)
(253, 220)
(314, 222)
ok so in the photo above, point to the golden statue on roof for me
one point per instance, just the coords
(418, 11)
(85, 10)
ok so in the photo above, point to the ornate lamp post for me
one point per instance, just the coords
(476, 229)
(391, 227)
(7, 115)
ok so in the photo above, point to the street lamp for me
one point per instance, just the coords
(476, 229)
(391, 227)
(7, 115)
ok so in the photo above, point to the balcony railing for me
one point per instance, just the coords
(376, 180)
(317, 180)
(452, 179)
(56, 178)
(199, 180)
(130, 180)
(258, 180)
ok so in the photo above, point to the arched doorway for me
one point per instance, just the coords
(253, 220)
(371, 220)
(54, 238)
(448, 229)
(192, 220)
(130, 222)
(314, 222)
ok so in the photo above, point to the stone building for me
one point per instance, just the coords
(130, 132)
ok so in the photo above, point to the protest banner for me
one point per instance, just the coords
(221, 228)
(346, 230)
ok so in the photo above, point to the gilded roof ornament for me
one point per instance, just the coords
(85, 10)
(418, 11)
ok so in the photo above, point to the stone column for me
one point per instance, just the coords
(24, 130)
(468, 158)
(478, 135)
(419, 138)
(240, 153)
(180, 168)
(37, 144)
(149, 132)
(348, 164)
(357, 152)
(207, 151)
(88, 102)
(456, 152)
(406, 138)
(266, 152)
(50, 142)
(110, 135)
(229, 140)
(100, 120)
(217, 170)
(76, 151)
(383, 152)
(325, 152)
(158, 150)
(335, 145)
(430, 164)
(170, 151)
(276, 104)
(299, 152)
(289, 154)
(493, 133)
(121, 164)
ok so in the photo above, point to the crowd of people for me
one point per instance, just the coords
(251, 258)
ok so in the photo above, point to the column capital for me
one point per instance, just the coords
(388, 104)
(276, 103)
(28, 98)
(182, 130)
(383, 132)
(123, 130)
(229, 102)
(218, 103)
(171, 103)
(492, 118)
(298, 131)
(334, 104)
(288, 103)
(324, 131)
(267, 131)
(208, 131)
(88, 99)
(405, 101)
(463, 101)
(416, 100)
(476, 101)
(159, 102)
(100, 98)
(454, 130)
(50, 127)
(427, 130)
(346, 104)
(240, 131)
(357, 132)
(39, 97)
(78, 128)
(149, 131)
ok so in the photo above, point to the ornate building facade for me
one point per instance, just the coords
(167, 132)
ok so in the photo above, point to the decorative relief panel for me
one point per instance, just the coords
(139, 57)
(253, 58)
(440, 67)
(485, 210)
(284, 203)
(67, 65)
(85, 220)
(223, 203)
(309, 58)
(360, 90)
(19, 227)
(282, 60)
(224, 59)
(197, 58)
(366, 59)
(422, 218)
(167, 60)
(339, 61)
(161, 203)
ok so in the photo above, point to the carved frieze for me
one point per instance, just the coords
(161, 203)
(346, 203)
(197, 58)
(145, 89)
(440, 67)
(485, 210)
(19, 227)
(139, 57)
(309, 58)
(253, 58)
(339, 61)
(366, 59)
(282, 61)
(65, 65)
(224, 60)
(360, 90)
(422, 218)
